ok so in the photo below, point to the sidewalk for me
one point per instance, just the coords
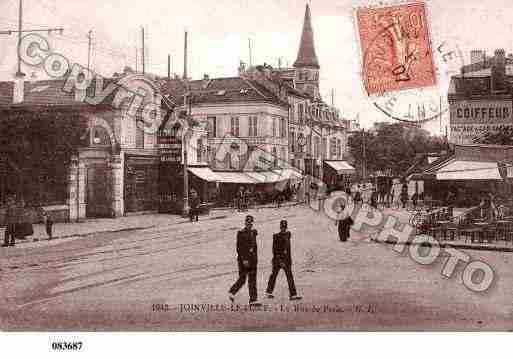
(92, 226)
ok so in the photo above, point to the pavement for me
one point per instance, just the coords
(175, 276)
(88, 227)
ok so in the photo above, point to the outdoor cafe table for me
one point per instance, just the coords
(443, 228)
(502, 228)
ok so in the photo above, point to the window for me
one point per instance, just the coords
(283, 128)
(253, 126)
(300, 112)
(139, 131)
(199, 153)
(334, 143)
(292, 141)
(100, 137)
(274, 127)
(283, 156)
(324, 148)
(339, 148)
(234, 126)
(316, 147)
(275, 157)
(212, 126)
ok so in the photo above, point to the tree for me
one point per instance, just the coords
(391, 147)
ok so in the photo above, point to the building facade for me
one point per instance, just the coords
(481, 97)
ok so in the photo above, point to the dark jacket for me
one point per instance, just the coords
(195, 202)
(247, 246)
(344, 225)
(281, 248)
(11, 214)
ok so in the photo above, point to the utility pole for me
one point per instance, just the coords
(169, 66)
(187, 108)
(136, 59)
(20, 24)
(20, 30)
(89, 38)
(364, 157)
(143, 57)
(250, 53)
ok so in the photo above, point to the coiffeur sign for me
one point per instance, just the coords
(470, 120)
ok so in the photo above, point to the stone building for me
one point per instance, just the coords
(114, 169)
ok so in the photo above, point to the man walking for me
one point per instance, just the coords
(247, 261)
(282, 259)
(194, 206)
(344, 224)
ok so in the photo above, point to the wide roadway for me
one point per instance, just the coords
(157, 279)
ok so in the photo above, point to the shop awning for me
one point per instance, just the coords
(204, 173)
(471, 170)
(207, 174)
(341, 167)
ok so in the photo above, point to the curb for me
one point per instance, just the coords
(450, 245)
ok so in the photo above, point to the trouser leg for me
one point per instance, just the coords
(6, 235)
(290, 280)
(272, 279)
(240, 281)
(252, 284)
(12, 231)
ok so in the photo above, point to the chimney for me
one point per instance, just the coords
(19, 90)
(499, 71)
(476, 56)
(242, 68)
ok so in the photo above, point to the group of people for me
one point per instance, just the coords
(18, 221)
(247, 257)
(247, 261)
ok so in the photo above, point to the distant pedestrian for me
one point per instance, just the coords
(282, 259)
(374, 199)
(404, 195)
(344, 224)
(47, 220)
(415, 199)
(247, 261)
(10, 219)
(357, 196)
(194, 206)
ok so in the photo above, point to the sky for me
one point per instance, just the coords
(219, 32)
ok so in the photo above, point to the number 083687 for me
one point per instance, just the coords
(66, 345)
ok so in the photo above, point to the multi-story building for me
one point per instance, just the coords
(481, 97)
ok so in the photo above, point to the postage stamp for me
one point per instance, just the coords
(396, 48)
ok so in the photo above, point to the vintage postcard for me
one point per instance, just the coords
(255, 166)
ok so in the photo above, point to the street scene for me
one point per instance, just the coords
(332, 168)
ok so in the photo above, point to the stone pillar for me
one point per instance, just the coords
(82, 183)
(73, 190)
(117, 186)
(76, 190)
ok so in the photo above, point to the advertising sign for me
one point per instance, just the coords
(471, 120)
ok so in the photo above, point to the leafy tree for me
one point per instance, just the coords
(391, 147)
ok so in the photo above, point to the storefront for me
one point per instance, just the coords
(337, 174)
(141, 183)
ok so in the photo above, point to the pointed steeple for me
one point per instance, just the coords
(306, 56)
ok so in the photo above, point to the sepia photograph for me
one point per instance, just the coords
(255, 166)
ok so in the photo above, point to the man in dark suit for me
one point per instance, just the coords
(247, 261)
(282, 259)
(344, 224)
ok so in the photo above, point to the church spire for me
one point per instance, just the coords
(306, 56)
